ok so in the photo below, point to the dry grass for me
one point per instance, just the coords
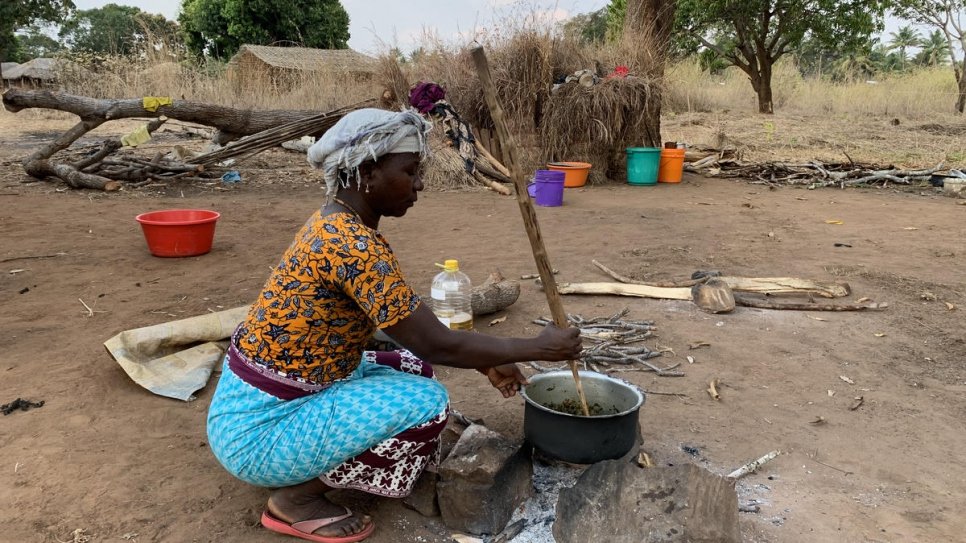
(921, 94)
(444, 168)
(123, 78)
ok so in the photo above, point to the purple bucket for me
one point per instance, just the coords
(547, 188)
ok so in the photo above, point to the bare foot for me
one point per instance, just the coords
(307, 501)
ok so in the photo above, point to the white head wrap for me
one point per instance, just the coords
(366, 134)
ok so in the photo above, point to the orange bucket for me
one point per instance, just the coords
(575, 173)
(672, 166)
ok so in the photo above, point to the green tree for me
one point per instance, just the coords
(710, 60)
(616, 14)
(885, 59)
(762, 31)
(855, 66)
(118, 30)
(902, 39)
(589, 28)
(33, 42)
(218, 28)
(933, 50)
(946, 17)
(17, 14)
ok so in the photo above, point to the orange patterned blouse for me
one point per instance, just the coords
(336, 283)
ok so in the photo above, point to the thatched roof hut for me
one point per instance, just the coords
(40, 71)
(282, 67)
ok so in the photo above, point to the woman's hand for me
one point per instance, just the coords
(560, 343)
(506, 378)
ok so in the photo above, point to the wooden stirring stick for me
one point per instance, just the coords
(511, 160)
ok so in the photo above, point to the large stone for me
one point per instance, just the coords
(423, 498)
(618, 502)
(482, 481)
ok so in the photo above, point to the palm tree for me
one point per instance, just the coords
(885, 60)
(905, 37)
(934, 50)
(854, 66)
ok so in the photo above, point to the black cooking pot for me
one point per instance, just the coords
(578, 439)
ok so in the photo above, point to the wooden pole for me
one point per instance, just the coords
(526, 207)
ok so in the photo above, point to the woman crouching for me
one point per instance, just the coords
(301, 407)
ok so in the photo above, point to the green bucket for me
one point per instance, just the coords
(642, 165)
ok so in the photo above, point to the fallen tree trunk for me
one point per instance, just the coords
(97, 172)
(231, 123)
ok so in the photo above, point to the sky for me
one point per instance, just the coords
(376, 25)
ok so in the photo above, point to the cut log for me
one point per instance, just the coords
(495, 294)
(231, 123)
(42, 169)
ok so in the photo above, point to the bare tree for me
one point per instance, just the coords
(946, 16)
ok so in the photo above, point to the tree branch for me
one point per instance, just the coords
(231, 122)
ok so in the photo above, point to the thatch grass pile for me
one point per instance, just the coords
(574, 123)
(595, 124)
(443, 169)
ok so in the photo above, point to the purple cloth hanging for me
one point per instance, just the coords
(425, 95)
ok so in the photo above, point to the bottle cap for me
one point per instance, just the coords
(450, 265)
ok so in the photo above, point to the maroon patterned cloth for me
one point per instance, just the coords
(424, 96)
(391, 467)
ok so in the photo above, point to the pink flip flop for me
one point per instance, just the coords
(303, 529)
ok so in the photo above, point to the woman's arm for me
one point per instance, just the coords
(430, 340)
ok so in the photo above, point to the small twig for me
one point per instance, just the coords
(753, 466)
(817, 461)
(32, 257)
(656, 393)
(713, 390)
(90, 312)
(851, 162)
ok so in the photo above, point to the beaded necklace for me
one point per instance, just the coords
(342, 203)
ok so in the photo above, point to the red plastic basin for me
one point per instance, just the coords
(179, 232)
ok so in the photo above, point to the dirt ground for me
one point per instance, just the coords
(110, 459)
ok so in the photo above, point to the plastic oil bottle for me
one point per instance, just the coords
(451, 297)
